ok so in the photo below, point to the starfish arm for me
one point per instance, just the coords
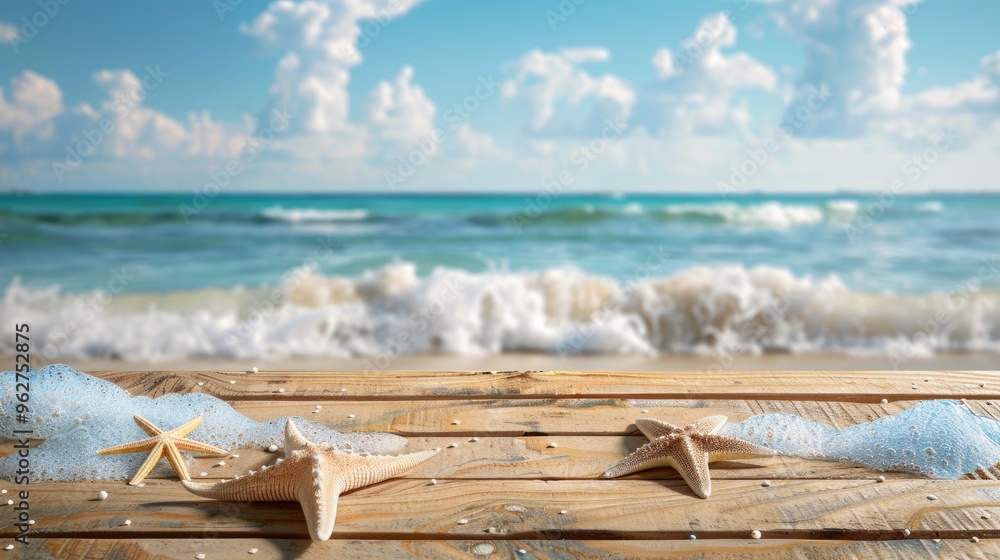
(131, 447)
(650, 456)
(722, 448)
(176, 461)
(294, 440)
(185, 444)
(652, 428)
(147, 426)
(708, 425)
(319, 504)
(358, 470)
(279, 483)
(185, 428)
(147, 465)
(691, 461)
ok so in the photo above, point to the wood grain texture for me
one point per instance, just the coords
(272, 549)
(393, 385)
(530, 509)
(515, 417)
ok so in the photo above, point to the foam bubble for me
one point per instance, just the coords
(77, 414)
(938, 439)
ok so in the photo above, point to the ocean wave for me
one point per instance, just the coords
(299, 215)
(930, 206)
(723, 311)
(765, 215)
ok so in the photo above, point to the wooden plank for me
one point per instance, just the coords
(858, 386)
(515, 417)
(269, 549)
(520, 509)
(575, 457)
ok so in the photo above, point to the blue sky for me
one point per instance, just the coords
(369, 82)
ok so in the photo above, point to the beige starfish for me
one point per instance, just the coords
(169, 444)
(689, 450)
(314, 475)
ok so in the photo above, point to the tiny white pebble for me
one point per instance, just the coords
(254, 370)
(234, 456)
(351, 416)
(880, 479)
(10, 502)
(463, 521)
(931, 497)
(343, 389)
(492, 530)
(645, 412)
(974, 539)
(885, 401)
(31, 522)
(936, 540)
(474, 440)
(4, 491)
(204, 473)
(906, 532)
(434, 481)
(553, 445)
(281, 389)
(220, 464)
(252, 551)
(437, 449)
(986, 515)
(200, 383)
(232, 382)
(563, 512)
(272, 448)
(453, 445)
(692, 537)
(455, 422)
(755, 534)
(9, 547)
(200, 557)
(102, 495)
(141, 484)
(522, 551)
(319, 407)
(766, 483)
(128, 521)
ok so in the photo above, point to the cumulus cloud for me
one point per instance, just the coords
(542, 80)
(33, 101)
(8, 32)
(698, 82)
(319, 45)
(400, 111)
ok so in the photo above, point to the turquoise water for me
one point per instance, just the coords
(553, 261)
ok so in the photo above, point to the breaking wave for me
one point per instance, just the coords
(701, 310)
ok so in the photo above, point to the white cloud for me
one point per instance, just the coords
(698, 82)
(400, 111)
(544, 79)
(318, 40)
(8, 32)
(33, 100)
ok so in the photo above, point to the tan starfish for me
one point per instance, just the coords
(169, 444)
(689, 450)
(315, 475)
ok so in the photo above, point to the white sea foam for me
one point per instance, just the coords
(298, 215)
(940, 439)
(766, 215)
(77, 414)
(707, 310)
(931, 206)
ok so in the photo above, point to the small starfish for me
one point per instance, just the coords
(689, 450)
(169, 444)
(315, 475)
